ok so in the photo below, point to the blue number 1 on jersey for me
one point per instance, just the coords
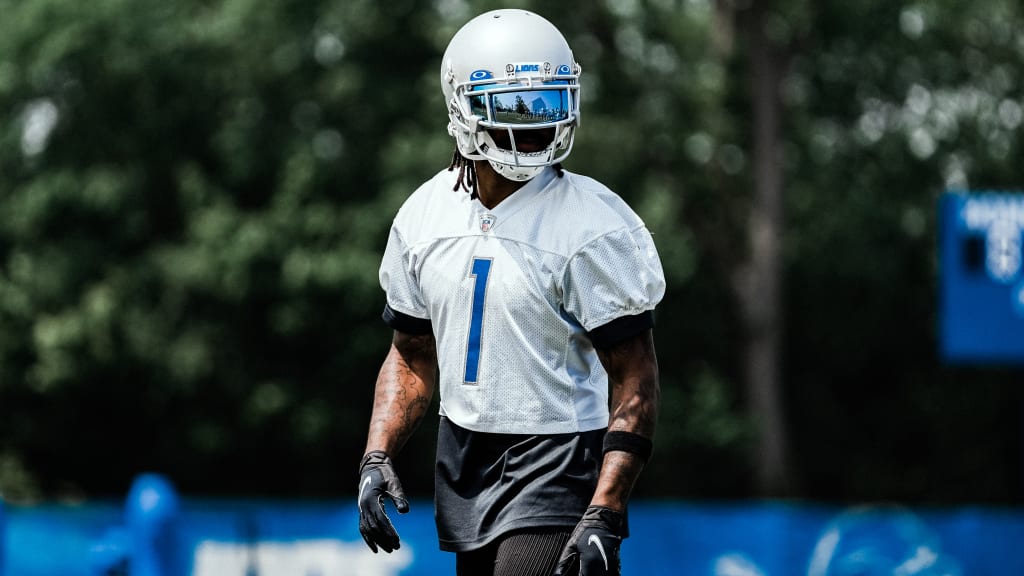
(480, 271)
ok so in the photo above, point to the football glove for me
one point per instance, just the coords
(377, 481)
(593, 545)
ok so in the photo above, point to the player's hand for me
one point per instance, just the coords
(377, 481)
(594, 544)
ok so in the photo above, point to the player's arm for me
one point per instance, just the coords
(632, 367)
(405, 387)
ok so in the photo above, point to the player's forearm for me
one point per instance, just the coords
(620, 469)
(619, 473)
(405, 386)
(634, 405)
(633, 373)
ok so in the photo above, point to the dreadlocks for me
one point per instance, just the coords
(467, 173)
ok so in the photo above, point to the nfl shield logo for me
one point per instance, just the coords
(487, 222)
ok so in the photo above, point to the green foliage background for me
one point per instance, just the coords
(195, 195)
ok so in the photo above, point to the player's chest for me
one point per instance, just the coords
(488, 270)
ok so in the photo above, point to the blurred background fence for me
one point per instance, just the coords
(195, 195)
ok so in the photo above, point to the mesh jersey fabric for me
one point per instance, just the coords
(511, 293)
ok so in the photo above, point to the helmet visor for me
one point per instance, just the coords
(522, 107)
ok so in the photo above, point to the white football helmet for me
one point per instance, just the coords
(511, 70)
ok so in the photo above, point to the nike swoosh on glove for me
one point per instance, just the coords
(593, 545)
(377, 481)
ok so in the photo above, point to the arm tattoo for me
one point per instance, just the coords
(405, 387)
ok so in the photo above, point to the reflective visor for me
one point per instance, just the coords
(522, 106)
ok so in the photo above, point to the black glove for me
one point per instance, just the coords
(594, 544)
(377, 480)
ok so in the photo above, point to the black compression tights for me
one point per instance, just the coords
(529, 553)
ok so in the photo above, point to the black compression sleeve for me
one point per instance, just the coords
(621, 329)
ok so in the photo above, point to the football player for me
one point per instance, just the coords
(525, 294)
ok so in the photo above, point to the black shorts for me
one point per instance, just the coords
(488, 484)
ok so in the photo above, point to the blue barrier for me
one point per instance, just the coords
(272, 538)
(2, 539)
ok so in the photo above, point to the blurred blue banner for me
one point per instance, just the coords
(260, 538)
(981, 254)
(3, 523)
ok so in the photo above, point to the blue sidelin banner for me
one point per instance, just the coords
(2, 538)
(158, 534)
(981, 260)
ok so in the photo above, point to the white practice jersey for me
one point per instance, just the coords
(511, 293)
